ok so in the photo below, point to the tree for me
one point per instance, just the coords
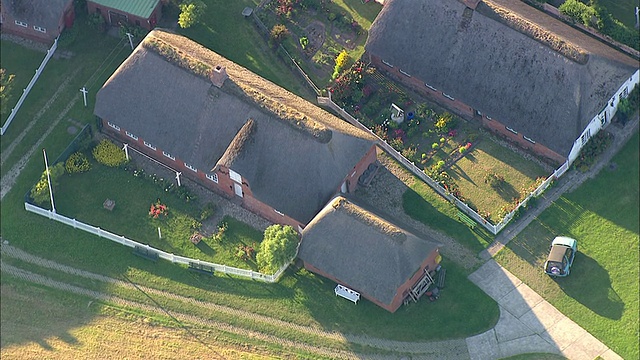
(279, 32)
(277, 248)
(5, 87)
(40, 191)
(190, 13)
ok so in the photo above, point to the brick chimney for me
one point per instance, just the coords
(218, 76)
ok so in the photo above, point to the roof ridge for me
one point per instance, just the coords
(201, 69)
(534, 31)
(369, 219)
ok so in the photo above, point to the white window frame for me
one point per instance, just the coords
(40, 29)
(131, 135)
(190, 167)
(112, 125)
(149, 145)
(21, 23)
(235, 176)
(213, 177)
(166, 154)
(279, 212)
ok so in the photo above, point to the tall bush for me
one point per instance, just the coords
(77, 163)
(40, 191)
(277, 248)
(109, 154)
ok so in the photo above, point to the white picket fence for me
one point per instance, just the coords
(176, 259)
(26, 90)
(494, 229)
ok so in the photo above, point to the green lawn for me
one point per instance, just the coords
(623, 10)
(488, 158)
(22, 63)
(601, 294)
(422, 203)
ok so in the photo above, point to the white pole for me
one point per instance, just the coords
(84, 95)
(130, 41)
(126, 151)
(178, 177)
(159, 233)
(46, 166)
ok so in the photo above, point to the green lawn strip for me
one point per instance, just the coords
(422, 203)
(22, 63)
(601, 294)
(489, 158)
(622, 10)
(224, 30)
(363, 13)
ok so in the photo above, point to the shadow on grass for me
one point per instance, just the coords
(507, 192)
(456, 173)
(590, 284)
(205, 248)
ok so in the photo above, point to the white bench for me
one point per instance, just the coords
(347, 293)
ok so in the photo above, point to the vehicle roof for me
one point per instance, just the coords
(564, 240)
(557, 253)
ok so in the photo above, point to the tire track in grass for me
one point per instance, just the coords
(11, 176)
(445, 349)
(9, 150)
(48, 282)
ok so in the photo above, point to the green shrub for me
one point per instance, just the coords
(278, 34)
(342, 60)
(40, 191)
(445, 122)
(77, 163)
(109, 154)
(579, 12)
(97, 22)
(277, 248)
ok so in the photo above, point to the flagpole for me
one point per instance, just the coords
(46, 165)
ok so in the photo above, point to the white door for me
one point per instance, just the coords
(237, 188)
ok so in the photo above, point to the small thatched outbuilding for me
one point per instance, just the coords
(365, 252)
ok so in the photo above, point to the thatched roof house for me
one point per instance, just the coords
(193, 109)
(530, 79)
(361, 250)
(40, 20)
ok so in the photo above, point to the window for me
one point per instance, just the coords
(190, 167)
(149, 146)
(98, 10)
(235, 176)
(131, 135)
(279, 212)
(213, 177)
(38, 28)
(166, 154)
(21, 23)
(113, 125)
(585, 137)
(624, 93)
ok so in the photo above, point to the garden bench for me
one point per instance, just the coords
(440, 280)
(347, 293)
(202, 269)
(146, 253)
(467, 220)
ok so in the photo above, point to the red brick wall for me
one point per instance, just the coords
(9, 26)
(352, 177)
(465, 111)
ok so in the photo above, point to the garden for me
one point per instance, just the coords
(467, 161)
(104, 188)
(321, 35)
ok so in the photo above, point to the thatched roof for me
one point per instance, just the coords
(529, 79)
(293, 154)
(362, 250)
(43, 13)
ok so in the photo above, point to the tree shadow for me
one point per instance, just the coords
(507, 192)
(205, 248)
(456, 173)
(590, 284)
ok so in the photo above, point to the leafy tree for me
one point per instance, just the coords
(342, 60)
(279, 32)
(5, 86)
(40, 191)
(190, 13)
(277, 248)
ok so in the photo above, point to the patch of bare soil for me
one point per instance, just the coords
(315, 32)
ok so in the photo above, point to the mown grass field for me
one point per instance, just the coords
(601, 294)
(23, 68)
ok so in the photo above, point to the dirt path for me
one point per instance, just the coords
(448, 349)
